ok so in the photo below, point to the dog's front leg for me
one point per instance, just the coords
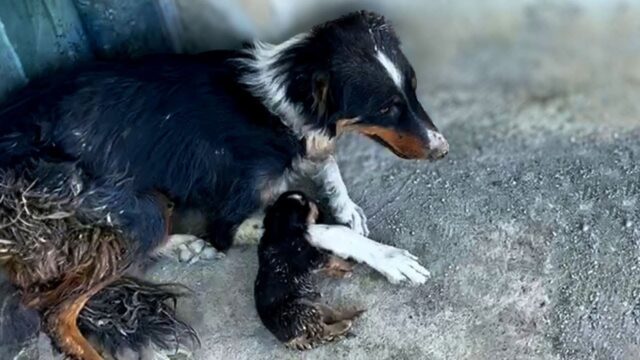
(325, 173)
(395, 264)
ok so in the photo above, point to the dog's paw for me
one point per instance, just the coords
(250, 231)
(189, 249)
(399, 265)
(352, 215)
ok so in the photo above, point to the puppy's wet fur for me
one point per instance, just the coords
(285, 293)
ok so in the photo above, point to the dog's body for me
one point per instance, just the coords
(178, 124)
(222, 132)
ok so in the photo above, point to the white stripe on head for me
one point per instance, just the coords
(391, 68)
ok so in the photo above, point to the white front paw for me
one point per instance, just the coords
(352, 215)
(398, 265)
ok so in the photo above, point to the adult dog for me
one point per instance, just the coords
(223, 133)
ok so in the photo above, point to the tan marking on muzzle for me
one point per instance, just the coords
(404, 145)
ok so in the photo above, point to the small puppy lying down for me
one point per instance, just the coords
(285, 294)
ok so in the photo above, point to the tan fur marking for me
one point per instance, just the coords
(320, 99)
(319, 146)
(63, 327)
(402, 144)
(344, 125)
(313, 213)
(336, 267)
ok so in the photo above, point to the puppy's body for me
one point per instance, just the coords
(285, 294)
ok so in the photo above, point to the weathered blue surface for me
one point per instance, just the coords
(122, 27)
(11, 72)
(44, 34)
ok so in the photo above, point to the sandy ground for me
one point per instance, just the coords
(530, 227)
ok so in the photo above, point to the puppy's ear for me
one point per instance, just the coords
(321, 94)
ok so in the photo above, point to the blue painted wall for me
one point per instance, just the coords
(39, 36)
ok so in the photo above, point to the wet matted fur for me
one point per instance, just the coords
(60, 247)
(131, 313)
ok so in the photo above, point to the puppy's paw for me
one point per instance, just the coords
(399, 265)
(189, 249)
(350, 214)
(337, 268)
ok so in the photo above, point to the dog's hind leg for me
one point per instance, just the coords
(336, 267)
(61, 324)
(331, 316)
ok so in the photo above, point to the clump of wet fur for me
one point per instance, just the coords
(44, 241)
(285, 293)
(59, 247)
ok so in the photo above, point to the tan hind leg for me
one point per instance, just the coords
(330, 332)
(62, 327)
(336, 267)
(331, 316)
(336, 330)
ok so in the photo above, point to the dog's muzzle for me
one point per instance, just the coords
(438, 145)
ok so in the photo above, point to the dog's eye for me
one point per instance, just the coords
(391, 107)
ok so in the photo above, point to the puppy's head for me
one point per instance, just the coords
(291, 214)
(361, 81)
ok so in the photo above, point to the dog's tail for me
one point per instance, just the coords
(134, 314)
(129, 314)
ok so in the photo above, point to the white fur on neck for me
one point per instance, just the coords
(268, 81)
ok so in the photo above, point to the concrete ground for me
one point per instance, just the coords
(530, 227)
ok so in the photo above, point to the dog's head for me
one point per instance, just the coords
(291, 213)
(351, 75)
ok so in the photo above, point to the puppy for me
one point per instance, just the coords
(285, 294)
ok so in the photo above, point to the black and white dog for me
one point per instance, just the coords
(223, 133)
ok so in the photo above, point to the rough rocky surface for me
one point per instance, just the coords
(530, 227)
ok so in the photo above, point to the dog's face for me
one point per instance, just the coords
(370, 88)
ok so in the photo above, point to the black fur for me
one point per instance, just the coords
(132, 314)
(175, 124)
(18, 324)
(286, 259)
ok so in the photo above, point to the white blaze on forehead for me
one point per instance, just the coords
(391, 68)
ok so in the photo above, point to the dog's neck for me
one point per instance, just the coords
(267, 77)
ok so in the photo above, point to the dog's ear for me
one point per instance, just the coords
(321, 94)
